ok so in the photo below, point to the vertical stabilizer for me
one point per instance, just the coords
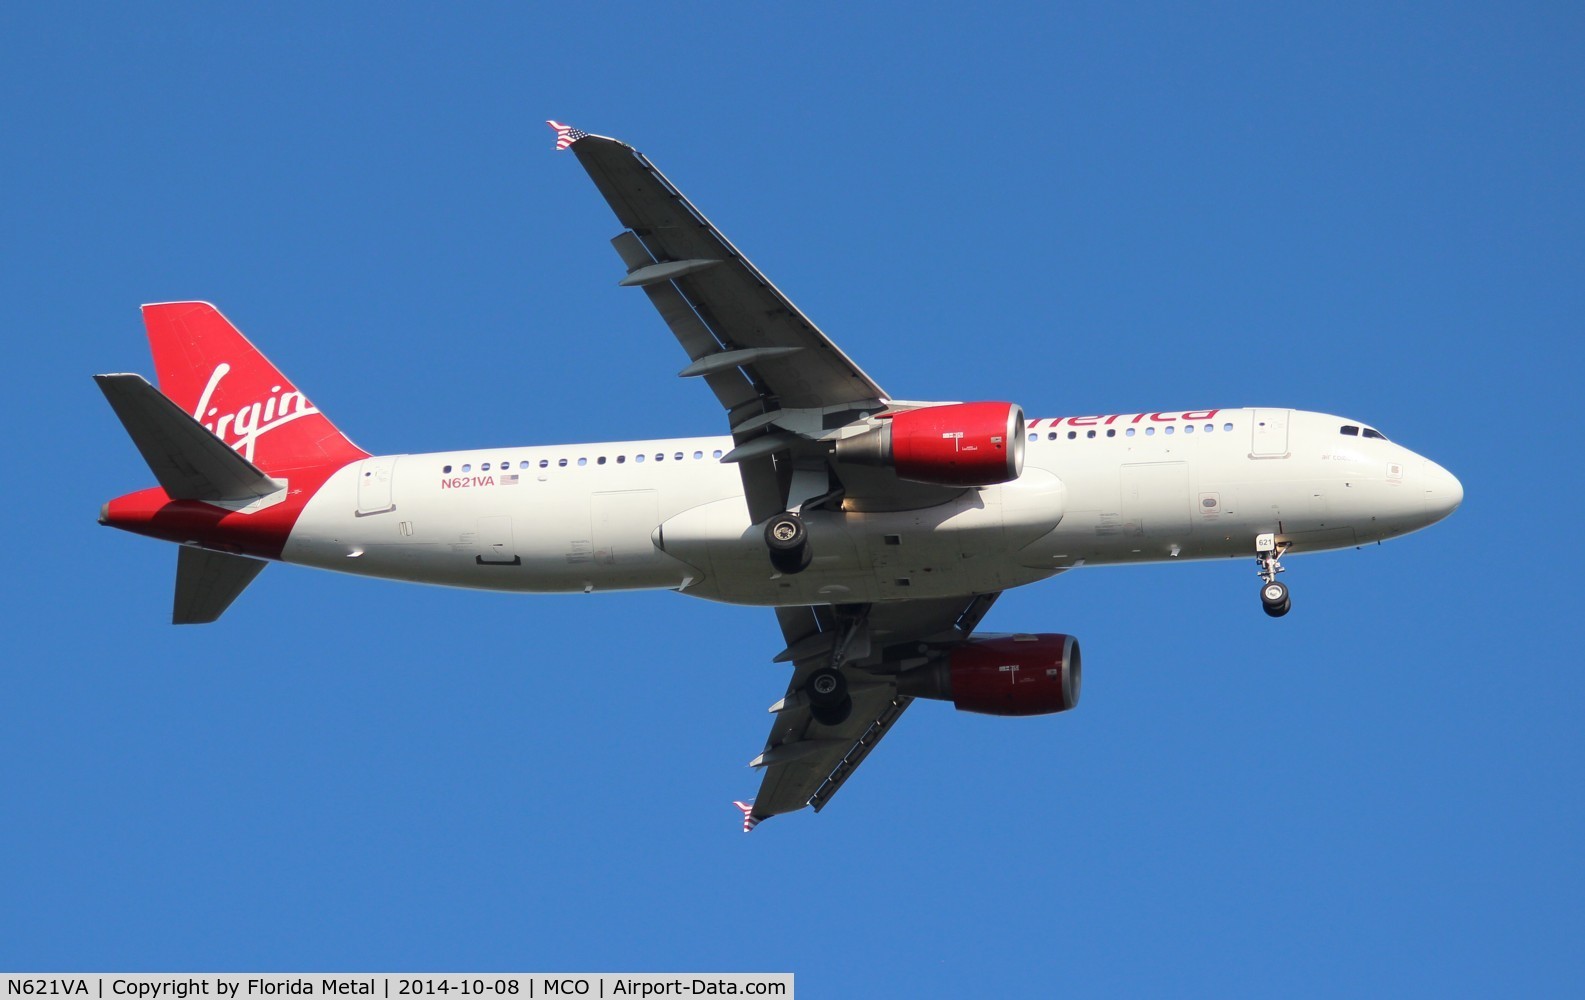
(213, 373)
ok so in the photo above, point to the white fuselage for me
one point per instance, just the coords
(667, 514)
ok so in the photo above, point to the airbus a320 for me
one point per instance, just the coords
(879, 530)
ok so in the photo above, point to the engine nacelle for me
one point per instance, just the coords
(957, 444)
(1003, 675)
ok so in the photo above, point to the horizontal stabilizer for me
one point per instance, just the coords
(189, 461)
(207, 582)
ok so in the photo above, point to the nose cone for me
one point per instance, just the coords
(1442, 491)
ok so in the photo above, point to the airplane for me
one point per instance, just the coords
(880, 530)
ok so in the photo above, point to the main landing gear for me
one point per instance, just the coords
(788, 541)
(1274, 597)
(830, 700)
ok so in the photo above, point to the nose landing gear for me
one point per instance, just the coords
(1274, 597)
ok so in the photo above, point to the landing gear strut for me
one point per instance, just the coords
(1274, 597)
(788, 541)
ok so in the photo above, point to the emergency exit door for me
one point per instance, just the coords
(1270, 438)
(374, 485)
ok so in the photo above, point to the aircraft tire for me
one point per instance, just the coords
(795, 561)
(832, 715)
(786, 532)
(787, 538)
(827, 687)
(829, 701)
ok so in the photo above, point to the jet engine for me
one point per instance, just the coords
(956, 444)
(1002, 675)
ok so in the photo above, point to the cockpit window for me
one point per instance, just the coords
(1378, 435)
(1350, 430)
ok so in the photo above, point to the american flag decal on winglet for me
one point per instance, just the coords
(566, 135)
(750, 821)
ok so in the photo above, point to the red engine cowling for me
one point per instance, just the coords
(1003, 675)
(957, 444)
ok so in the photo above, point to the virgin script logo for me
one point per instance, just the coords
(242, 428)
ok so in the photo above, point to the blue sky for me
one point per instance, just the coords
(1367, 210)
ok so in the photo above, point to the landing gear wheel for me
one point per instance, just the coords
(829, 701)
(788, 563)
(788, 542)
(1275, 600)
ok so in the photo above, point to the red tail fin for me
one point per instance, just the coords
(210, 370)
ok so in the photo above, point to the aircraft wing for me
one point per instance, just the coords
(748, 324)
(805, 762)
(760, 355)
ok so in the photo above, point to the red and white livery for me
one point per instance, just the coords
(879, 530)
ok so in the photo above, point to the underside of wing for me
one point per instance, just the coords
(819, 738)
(788, 391)
(750, 325)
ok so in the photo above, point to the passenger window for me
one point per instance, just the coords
(1150, 432)
(1089, 434)
(1052, 436)
(1188, 428)
(485, 467)
(678, 456)
(1072, 435)
(698, 455)
(544, 463)
(1034, 436)
(1227, 427)
(600, 460)
(561, 463)
(524, 465)
(467, 467)
(660, 457)
(583, 461)
(620, 459)
(1350, 430)
(1169, 429)
(446, 470)
(716, 453)
(1129, 432)
(1209, 428)
(638, 458)
(1111, 432)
